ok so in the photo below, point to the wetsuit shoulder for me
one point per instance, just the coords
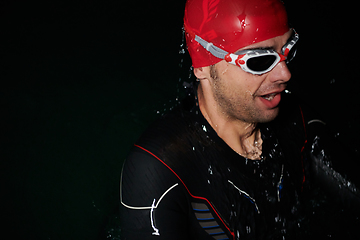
(149, 191)
(154, 199)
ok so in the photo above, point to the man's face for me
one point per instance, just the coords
(247, 97)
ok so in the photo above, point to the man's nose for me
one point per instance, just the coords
(280, 73)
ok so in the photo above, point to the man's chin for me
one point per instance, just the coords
(269, 115)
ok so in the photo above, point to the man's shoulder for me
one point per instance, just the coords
(150, 163)
(175, 145)
(174, 136)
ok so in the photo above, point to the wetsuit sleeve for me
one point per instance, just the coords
(154, 204)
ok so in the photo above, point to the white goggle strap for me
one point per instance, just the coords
(218, 52)
(214, 50)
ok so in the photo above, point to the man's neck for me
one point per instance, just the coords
(244, 138)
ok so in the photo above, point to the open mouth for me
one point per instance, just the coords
(271, 100)
(269, 97)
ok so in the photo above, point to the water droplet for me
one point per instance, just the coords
(182, 51)
(210, 170)
(204, 128)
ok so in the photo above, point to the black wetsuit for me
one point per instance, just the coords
(182, 181)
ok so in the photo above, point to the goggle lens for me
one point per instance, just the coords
(291, 54)
(261, 63)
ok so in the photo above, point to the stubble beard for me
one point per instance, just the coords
(238, 106)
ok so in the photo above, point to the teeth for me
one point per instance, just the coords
(269, 97)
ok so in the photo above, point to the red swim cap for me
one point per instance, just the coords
(231, 25)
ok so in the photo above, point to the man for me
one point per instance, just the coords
(236, 164)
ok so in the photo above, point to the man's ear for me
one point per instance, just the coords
(202, 73)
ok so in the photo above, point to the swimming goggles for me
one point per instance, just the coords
(255, 61)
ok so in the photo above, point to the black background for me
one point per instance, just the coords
(81, 80)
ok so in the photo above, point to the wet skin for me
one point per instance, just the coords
(234, 101)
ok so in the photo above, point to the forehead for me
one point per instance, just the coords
(275, 43)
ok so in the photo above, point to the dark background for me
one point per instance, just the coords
(81, 80)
